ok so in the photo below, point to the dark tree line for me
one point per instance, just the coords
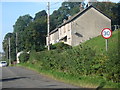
(32, 32)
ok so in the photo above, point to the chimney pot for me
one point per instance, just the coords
(64, 20)
(81, 6)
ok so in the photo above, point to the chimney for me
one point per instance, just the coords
(69, 17)
(81, 7)
(90, 2)
(64, 20)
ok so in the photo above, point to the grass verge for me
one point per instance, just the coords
(80, 81)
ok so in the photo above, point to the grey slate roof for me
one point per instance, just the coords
(56, 29)
(76, 16)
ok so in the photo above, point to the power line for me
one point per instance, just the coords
(55, 3)
(52, 6)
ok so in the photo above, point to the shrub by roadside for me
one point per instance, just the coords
(61, 46)
(24, 57)
(83, 60)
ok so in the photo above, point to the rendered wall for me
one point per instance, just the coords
(88, 25)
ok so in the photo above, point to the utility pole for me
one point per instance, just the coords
(48, 25)
(9, 52)
(17, 46)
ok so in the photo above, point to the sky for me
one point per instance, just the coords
(10, 10)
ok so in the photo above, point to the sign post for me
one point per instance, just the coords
(106, 40)
(106, 33)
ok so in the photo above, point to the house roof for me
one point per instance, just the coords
(56, 29)
(76, 16)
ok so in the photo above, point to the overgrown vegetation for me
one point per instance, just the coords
(24, 57)
(85, 60)
(60, 46)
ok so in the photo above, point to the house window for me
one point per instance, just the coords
(65, 39)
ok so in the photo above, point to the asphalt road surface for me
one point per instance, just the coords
(19, 77)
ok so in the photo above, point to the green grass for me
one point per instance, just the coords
(98, 43)
(93, 81)
(81, 81)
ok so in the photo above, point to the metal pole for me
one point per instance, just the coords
(9, 52)
(48, 23)
(106, 40)
(115, 27)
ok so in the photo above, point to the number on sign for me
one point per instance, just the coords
(106, 33)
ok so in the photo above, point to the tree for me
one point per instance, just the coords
(67, 9)
(40, 14)
(36, 31)
(22, 22)
(19, 27)
(12, 46)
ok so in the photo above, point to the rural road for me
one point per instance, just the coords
(19, 77)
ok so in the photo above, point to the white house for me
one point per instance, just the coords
(81, 27)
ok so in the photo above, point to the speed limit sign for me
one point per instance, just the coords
(106, 33)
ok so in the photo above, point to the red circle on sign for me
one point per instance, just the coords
(104, 30)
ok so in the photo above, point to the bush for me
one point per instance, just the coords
(24, 57)
(83, 60)
(113, 66)
(61, 46)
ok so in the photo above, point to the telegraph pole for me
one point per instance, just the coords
(9, 52)
(16, 46)
(48, 24)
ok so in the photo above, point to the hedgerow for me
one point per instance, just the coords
(80, 61)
